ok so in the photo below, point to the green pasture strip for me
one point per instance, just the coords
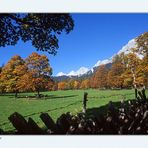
(56, 103)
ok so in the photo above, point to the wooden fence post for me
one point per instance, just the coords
(48, 121)
(1, 131)
(85, 102)
(136, 93)
(19, 123)
(34, 128)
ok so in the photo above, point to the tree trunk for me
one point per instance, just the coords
(38, 94)
(16, 94)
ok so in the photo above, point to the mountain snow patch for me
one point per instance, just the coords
(79, 72)
(103, 62)
(61, 74)
(126, 49)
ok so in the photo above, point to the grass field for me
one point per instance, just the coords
(56, 103)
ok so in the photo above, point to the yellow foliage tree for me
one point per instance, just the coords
(11, 74)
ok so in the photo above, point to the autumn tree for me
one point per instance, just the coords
(38, 75)
(2, 83)
(50, 84)
(42, 29)
(92, 84)
(62, 85)
(142, 73)
(85, 84)
(76, 84)
(2, 86)
(115, 78)
(25, 84)
(142, 42)
(127, 79)
(144, 67)
(133, 62)
(99, 80)
(55, 86)
(70, 84)
(11, 74)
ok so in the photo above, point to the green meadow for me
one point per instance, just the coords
(55, 103)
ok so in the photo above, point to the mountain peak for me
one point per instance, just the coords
(83, 70)
(61, 74)
(79, 72)
(103, 62)
(126, 48)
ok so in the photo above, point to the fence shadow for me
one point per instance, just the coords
(43, 97)
(96, 111)
(58, 97)
(7, 94)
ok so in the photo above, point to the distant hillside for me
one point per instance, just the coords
(82, 77)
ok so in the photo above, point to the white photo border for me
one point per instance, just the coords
(74, 6)
(125, 6)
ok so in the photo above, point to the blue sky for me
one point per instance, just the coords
(95, 37)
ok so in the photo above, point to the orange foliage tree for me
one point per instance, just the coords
(76, 84)
(11, 74)
(99, 79)
(85, 84)
(62, 85)
(38, 75)
(133, 66)
(115, 79)
(142, 42)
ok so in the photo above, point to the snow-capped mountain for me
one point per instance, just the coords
(84, 70)
(103, 62)
(61, 74)
(126, 49)
(79, 72)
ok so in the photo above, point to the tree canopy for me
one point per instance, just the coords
(31, 74)
(142, 41)
(11, 74)
(38, 75)
(41, 29)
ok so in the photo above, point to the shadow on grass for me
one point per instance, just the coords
(58, 97)
(102, 110)
(7, 94)
(43, 97)
(45, 111)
